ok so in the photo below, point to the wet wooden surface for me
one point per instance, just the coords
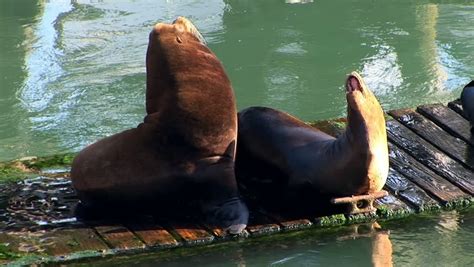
(119, 237)
(192, 233)
(66, 241)
(457, 106)
(260, 224)
(409, 192)
(154, 235)
(287, 224)
(421, 175)
(430, 156)
(394, 204)
(449, 120)
(428, 130)
(431, 167)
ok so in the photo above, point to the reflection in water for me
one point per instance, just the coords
(83, 63)
(426, 18)
(42, 63)
(298, 1)
(16, 20)
(381, 249)
(438, 240)
(355, 245)
(382, 72)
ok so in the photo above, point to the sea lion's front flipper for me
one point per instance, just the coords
(232, 215)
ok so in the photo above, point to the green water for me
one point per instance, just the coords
(72, 72)
(442, 240)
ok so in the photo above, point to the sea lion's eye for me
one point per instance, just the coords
(178, 39)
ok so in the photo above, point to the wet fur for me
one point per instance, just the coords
(184, 150)
(310, 163)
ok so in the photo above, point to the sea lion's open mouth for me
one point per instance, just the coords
(189, 27)
(353, 83)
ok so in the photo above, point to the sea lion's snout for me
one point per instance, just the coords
(182, 24)
(178, 27)
(354, 83)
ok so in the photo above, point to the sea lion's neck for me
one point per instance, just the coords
(365, 139)
(357, 131)
(357, 157)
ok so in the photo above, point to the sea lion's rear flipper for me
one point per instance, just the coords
(231, 215)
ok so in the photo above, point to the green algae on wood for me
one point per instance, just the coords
(13, 173)
(30, 167)
(332, 220)
(459, 203)
(40, 163)
(390, 207)
(361, 217)
(6, 253)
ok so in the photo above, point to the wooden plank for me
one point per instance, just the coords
(118, 237)
(260, 224)
(153, 235)
(454, 147)
(429, 155)
(449, 120)
(393, 204)
(429, 181)
(390, 207)
(62, 242)
(409, 192)
(457, 106)
(288, 224)
(21, 242)
(192, 234)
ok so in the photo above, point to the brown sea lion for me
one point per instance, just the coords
(301, 158)
(467, 100)
(184, 151)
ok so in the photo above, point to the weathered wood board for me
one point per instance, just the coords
(409, 192)
(119, 237)
(153, 235)
(428, 130)
(449, 120)
(457, 106)
(192, 233)
(430, 156)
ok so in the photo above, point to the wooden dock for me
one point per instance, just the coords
(431, 168)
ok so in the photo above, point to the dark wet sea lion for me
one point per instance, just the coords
(312, 161)
(184, 150)
(467, 100)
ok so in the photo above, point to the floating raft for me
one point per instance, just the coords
(431, 168)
